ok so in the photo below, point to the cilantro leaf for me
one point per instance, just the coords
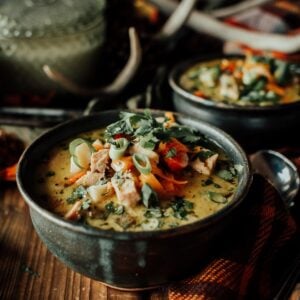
(111, 208)
(225, 174)
(182, 208)
(171, 153)
(149, 196)
(205, 154)
(77, 194)
(217, 197)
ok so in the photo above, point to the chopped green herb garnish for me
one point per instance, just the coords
(217, 197)
(182, 208)
(137, 125)
(77, 194)
(207, 182)
(50, 173)
(111, 208)
(204, 155)
(86, 204)
(149, 196)
(225, 174)
(154, 212)
(171, 153)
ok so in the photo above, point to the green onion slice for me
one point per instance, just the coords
(142, 163)
(77, 142)
(72, 148)
(118, 149)
(217, 198)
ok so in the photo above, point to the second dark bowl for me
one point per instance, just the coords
(246, 123)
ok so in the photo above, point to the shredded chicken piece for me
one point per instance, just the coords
(99, 191)
(90, 178)
(205, 167)
(124, 186)
(99, 161)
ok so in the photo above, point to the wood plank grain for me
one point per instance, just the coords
(30, 271)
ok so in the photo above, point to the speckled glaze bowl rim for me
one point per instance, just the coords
(242, 191)
(180, 68)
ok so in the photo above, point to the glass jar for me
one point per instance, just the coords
(65, 34)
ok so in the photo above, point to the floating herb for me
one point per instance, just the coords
(111, 208)
(217, 198)
(171, 153)
(204, 155)
(50, 173)
(225, 174)
(207, 182)
(149, 196)
(182, 208)
(86, 204)
(78, 193)
(154, 212)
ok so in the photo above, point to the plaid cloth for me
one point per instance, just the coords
(254, 256)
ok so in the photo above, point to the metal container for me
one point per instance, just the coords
(128, 260)
(65, 34)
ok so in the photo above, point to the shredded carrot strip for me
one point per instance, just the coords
(276, 89)
(75, 177)
(157, 171)
(199, 93)
(153, 182)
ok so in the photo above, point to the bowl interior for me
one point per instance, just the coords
(41, 146)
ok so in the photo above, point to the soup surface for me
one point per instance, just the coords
(258, 81)
(137, 174)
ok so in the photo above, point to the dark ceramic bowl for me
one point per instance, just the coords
(245, 123)
(127, 260)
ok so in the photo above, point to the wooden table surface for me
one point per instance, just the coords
(29, 271)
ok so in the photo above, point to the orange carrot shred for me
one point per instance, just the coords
(275, 88)
(199, 93)
(75, 177)
(157, 171)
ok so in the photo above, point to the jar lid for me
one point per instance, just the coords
(48, 18)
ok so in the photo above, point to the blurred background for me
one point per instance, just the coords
(88, 43)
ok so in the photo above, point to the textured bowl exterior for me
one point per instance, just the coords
(128, 260)
(241, 122)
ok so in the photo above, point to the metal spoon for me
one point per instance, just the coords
(279, 171)
(283, 175)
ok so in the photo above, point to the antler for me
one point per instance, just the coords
(177, 19)
(237, 8)
(202, 22)
(117, 85)
(173, 24)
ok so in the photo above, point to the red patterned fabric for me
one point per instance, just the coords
(253, 255)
